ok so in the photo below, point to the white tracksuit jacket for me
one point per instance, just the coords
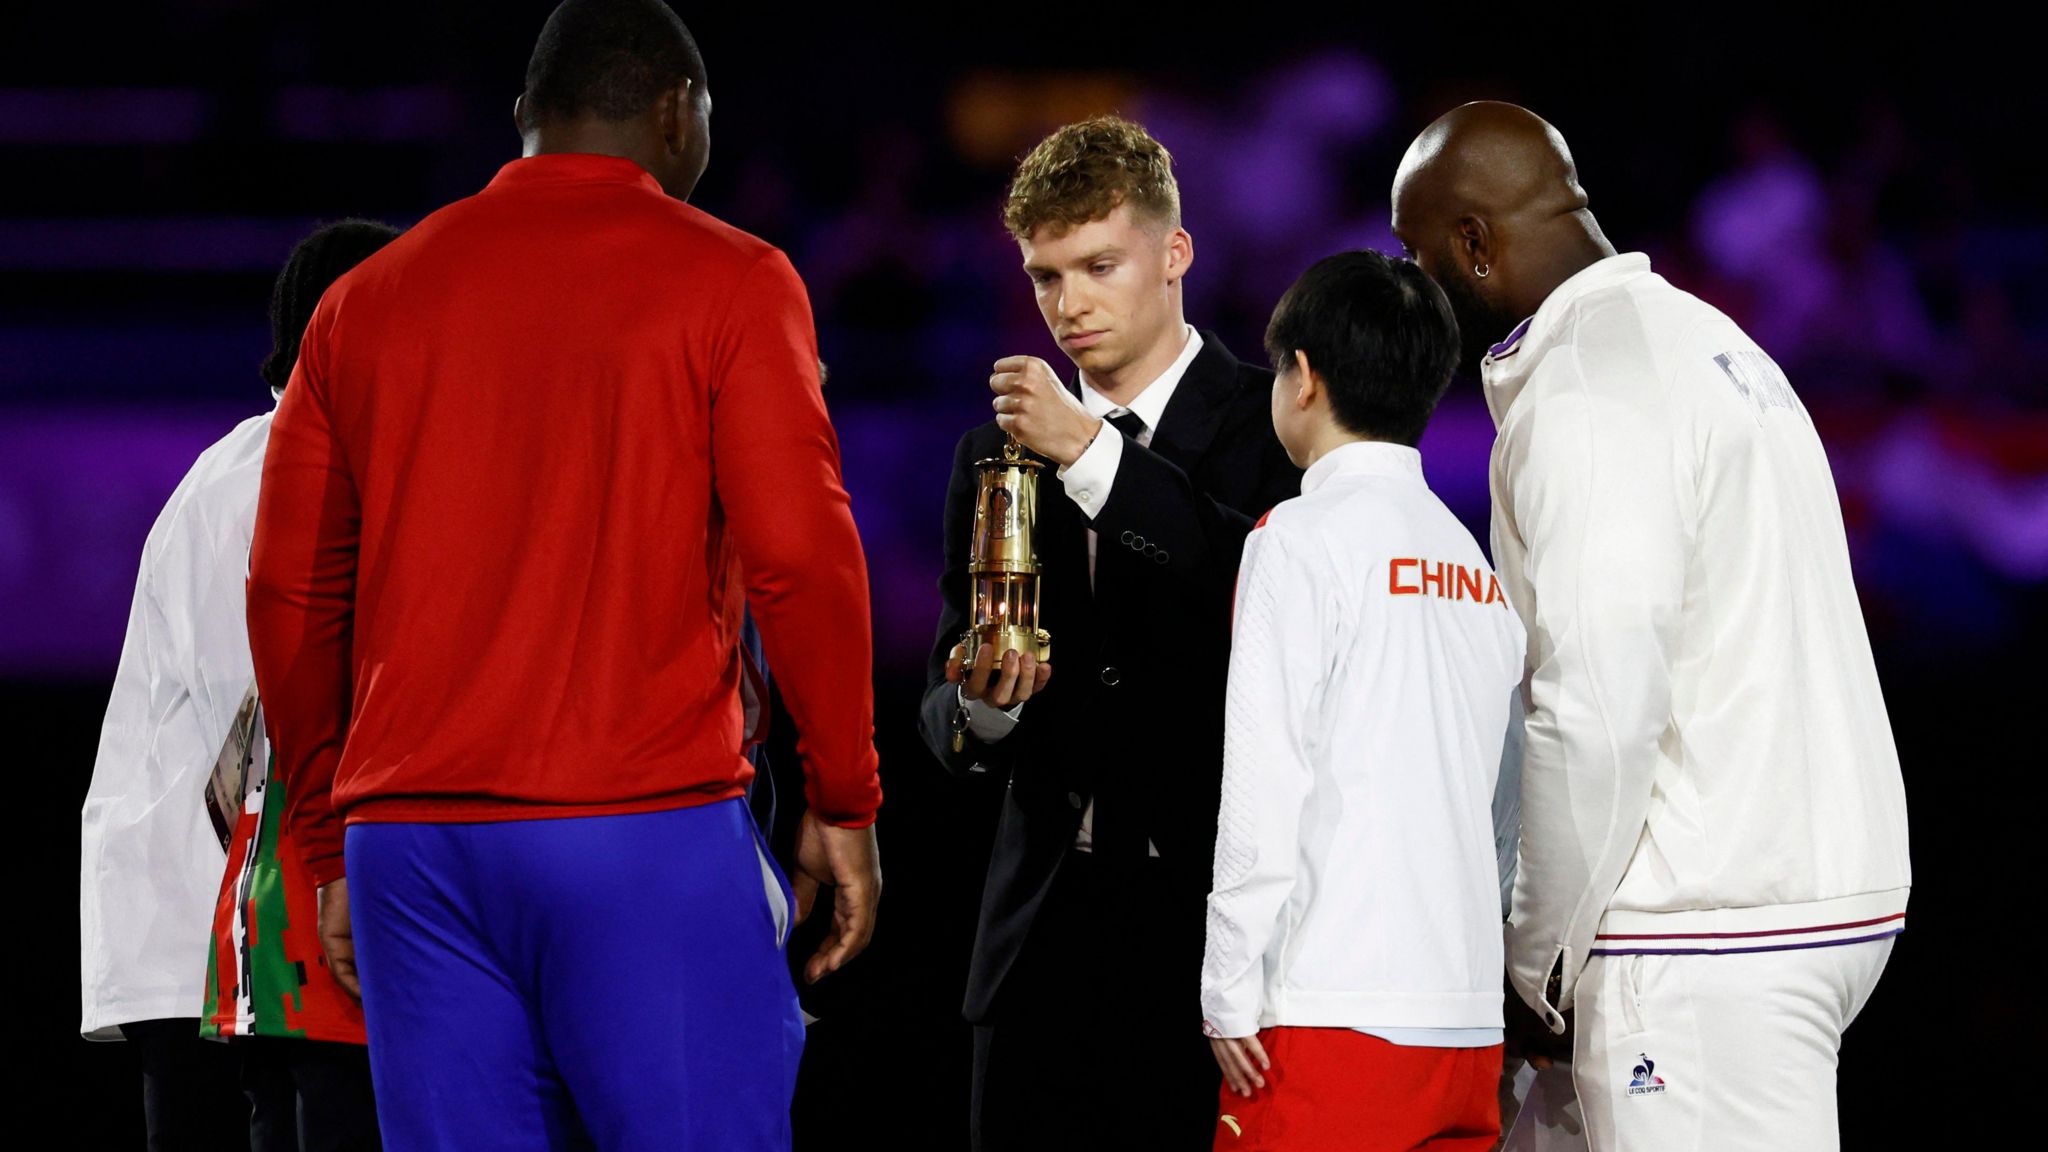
(149, 860)
(1708, 765)
(1373, 667)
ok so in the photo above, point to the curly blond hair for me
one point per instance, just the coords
(1084, 171)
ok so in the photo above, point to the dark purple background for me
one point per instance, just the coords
(1868, 205)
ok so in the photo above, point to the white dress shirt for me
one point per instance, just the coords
(1087, 482)
(1373, 666)
(1709, 761)
(150, 862)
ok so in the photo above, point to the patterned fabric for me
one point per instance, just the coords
(266, 974)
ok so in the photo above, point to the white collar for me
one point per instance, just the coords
(1365, 457)
(1150, 404)
(1508, 363)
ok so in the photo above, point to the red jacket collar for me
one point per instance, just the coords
(572, 168)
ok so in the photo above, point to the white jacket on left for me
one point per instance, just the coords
(149, 862)
(1373, 665)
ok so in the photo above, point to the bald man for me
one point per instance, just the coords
(1713, 859)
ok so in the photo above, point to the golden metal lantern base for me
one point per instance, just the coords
(1035, 642)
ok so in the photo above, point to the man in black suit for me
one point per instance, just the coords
(1084, 987)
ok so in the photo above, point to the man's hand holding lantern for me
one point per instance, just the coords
(1032, 405)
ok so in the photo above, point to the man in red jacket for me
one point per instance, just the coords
(535, 459)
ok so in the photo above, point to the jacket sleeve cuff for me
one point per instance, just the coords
(1089, 479)
(325, 870)
(845, 800)
(1545, 991)
(1222, 1023)
(988, 723)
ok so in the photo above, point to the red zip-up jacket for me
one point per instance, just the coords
(536, 455)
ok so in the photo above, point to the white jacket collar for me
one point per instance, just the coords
(1508, 363)
(1363, 457)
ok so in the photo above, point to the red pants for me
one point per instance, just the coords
(1332, 1088)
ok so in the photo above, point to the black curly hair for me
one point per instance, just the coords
(316, 262)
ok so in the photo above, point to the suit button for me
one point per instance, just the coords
(1111, 676)
(1128, 536)
(1161, 557)
(1074, 798)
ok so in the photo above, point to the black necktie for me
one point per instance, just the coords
(1119, 828)
(1127, 422)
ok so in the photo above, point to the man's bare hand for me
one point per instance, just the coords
(848, 861)
(338, 938)
(1018, 678)
(1241, 1059)
(1032, 405)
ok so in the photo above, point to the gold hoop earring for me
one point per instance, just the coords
(1482, 270)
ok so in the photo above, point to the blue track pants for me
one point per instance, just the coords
(610, 982)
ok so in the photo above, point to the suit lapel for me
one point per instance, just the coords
(1198, 406)
(1186, 430)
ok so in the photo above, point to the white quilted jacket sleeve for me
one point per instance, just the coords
(1276, 674)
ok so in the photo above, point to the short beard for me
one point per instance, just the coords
(1481, 324)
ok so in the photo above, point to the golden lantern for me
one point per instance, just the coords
(1003, 559)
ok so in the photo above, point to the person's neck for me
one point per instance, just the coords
(1125, 384)
(591, 136)
(1580, 247)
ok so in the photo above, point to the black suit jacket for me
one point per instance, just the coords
(1133, 715)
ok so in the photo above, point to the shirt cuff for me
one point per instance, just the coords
(988, 722)
(1089, 478)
